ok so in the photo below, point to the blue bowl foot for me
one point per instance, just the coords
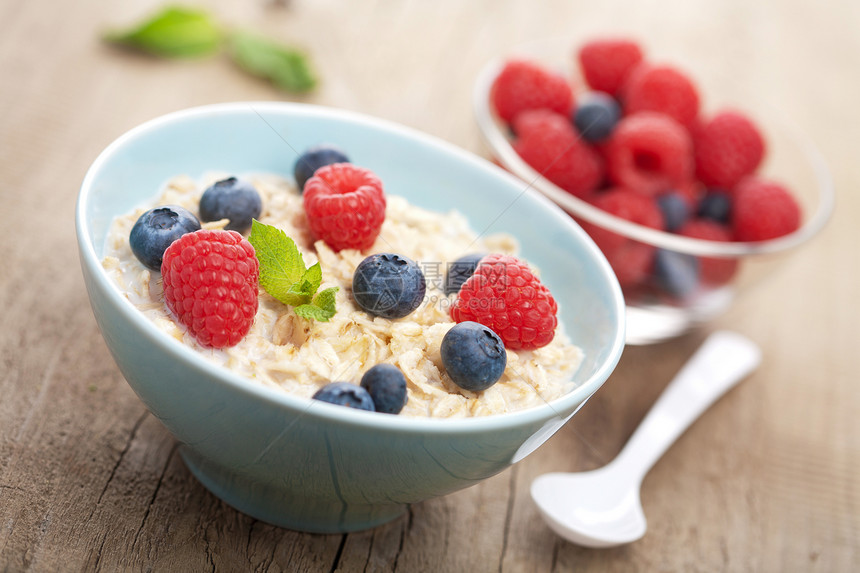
(277, 505)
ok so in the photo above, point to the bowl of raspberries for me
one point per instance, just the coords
(689, 200)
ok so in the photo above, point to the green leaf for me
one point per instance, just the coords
(326, 299)
(175, 32)
(301, 291)
(294, 296)
(281, 264)
(311, 279)
(284, 276)
(322, 308)
(286, 67)
(312, 312)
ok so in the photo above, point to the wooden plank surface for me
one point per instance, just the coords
(765, 481)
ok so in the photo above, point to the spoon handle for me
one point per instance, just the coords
(720, 363)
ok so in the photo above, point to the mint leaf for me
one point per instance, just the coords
(175, 32)
(326, 299)
(311, 279)
(284, 276)
(281, 264)
(322, 308)
(288, 68)
(301, 291)
(312, 312)
(294, 296)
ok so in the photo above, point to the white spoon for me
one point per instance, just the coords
(601, 508)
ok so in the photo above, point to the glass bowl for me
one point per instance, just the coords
(652, 315)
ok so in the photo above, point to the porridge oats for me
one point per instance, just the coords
(300, 356)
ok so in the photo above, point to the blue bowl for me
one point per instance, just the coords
(304, 464)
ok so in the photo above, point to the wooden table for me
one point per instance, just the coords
(765, 481)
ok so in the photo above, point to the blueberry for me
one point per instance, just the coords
(388, 285)
(156, 229)
(596, 116)
(345, 394)
(387, 387)
(460, 270)
(473, 355)
(677, 273)
(233, 199)
(314, 158)
(715, 205)
(675, 211)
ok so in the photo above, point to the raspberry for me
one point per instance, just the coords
(549, 143)
(714, 270)
(663, 89)
(345, 206)
(763, 210)
(631, 260)
(728, 148)
(691, 191)
(650, 153)
(535, 121)
(524, 85)
(505, 296)
(607, 63)
(625, 204)
(210, 283)
(631, 263)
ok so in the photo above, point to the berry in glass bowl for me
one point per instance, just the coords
(690, 197)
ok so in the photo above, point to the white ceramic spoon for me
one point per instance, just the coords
(601, 508)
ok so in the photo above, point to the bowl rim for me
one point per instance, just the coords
(500, 146)
(560, 408)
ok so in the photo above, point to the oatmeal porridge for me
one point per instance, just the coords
(300, 355)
